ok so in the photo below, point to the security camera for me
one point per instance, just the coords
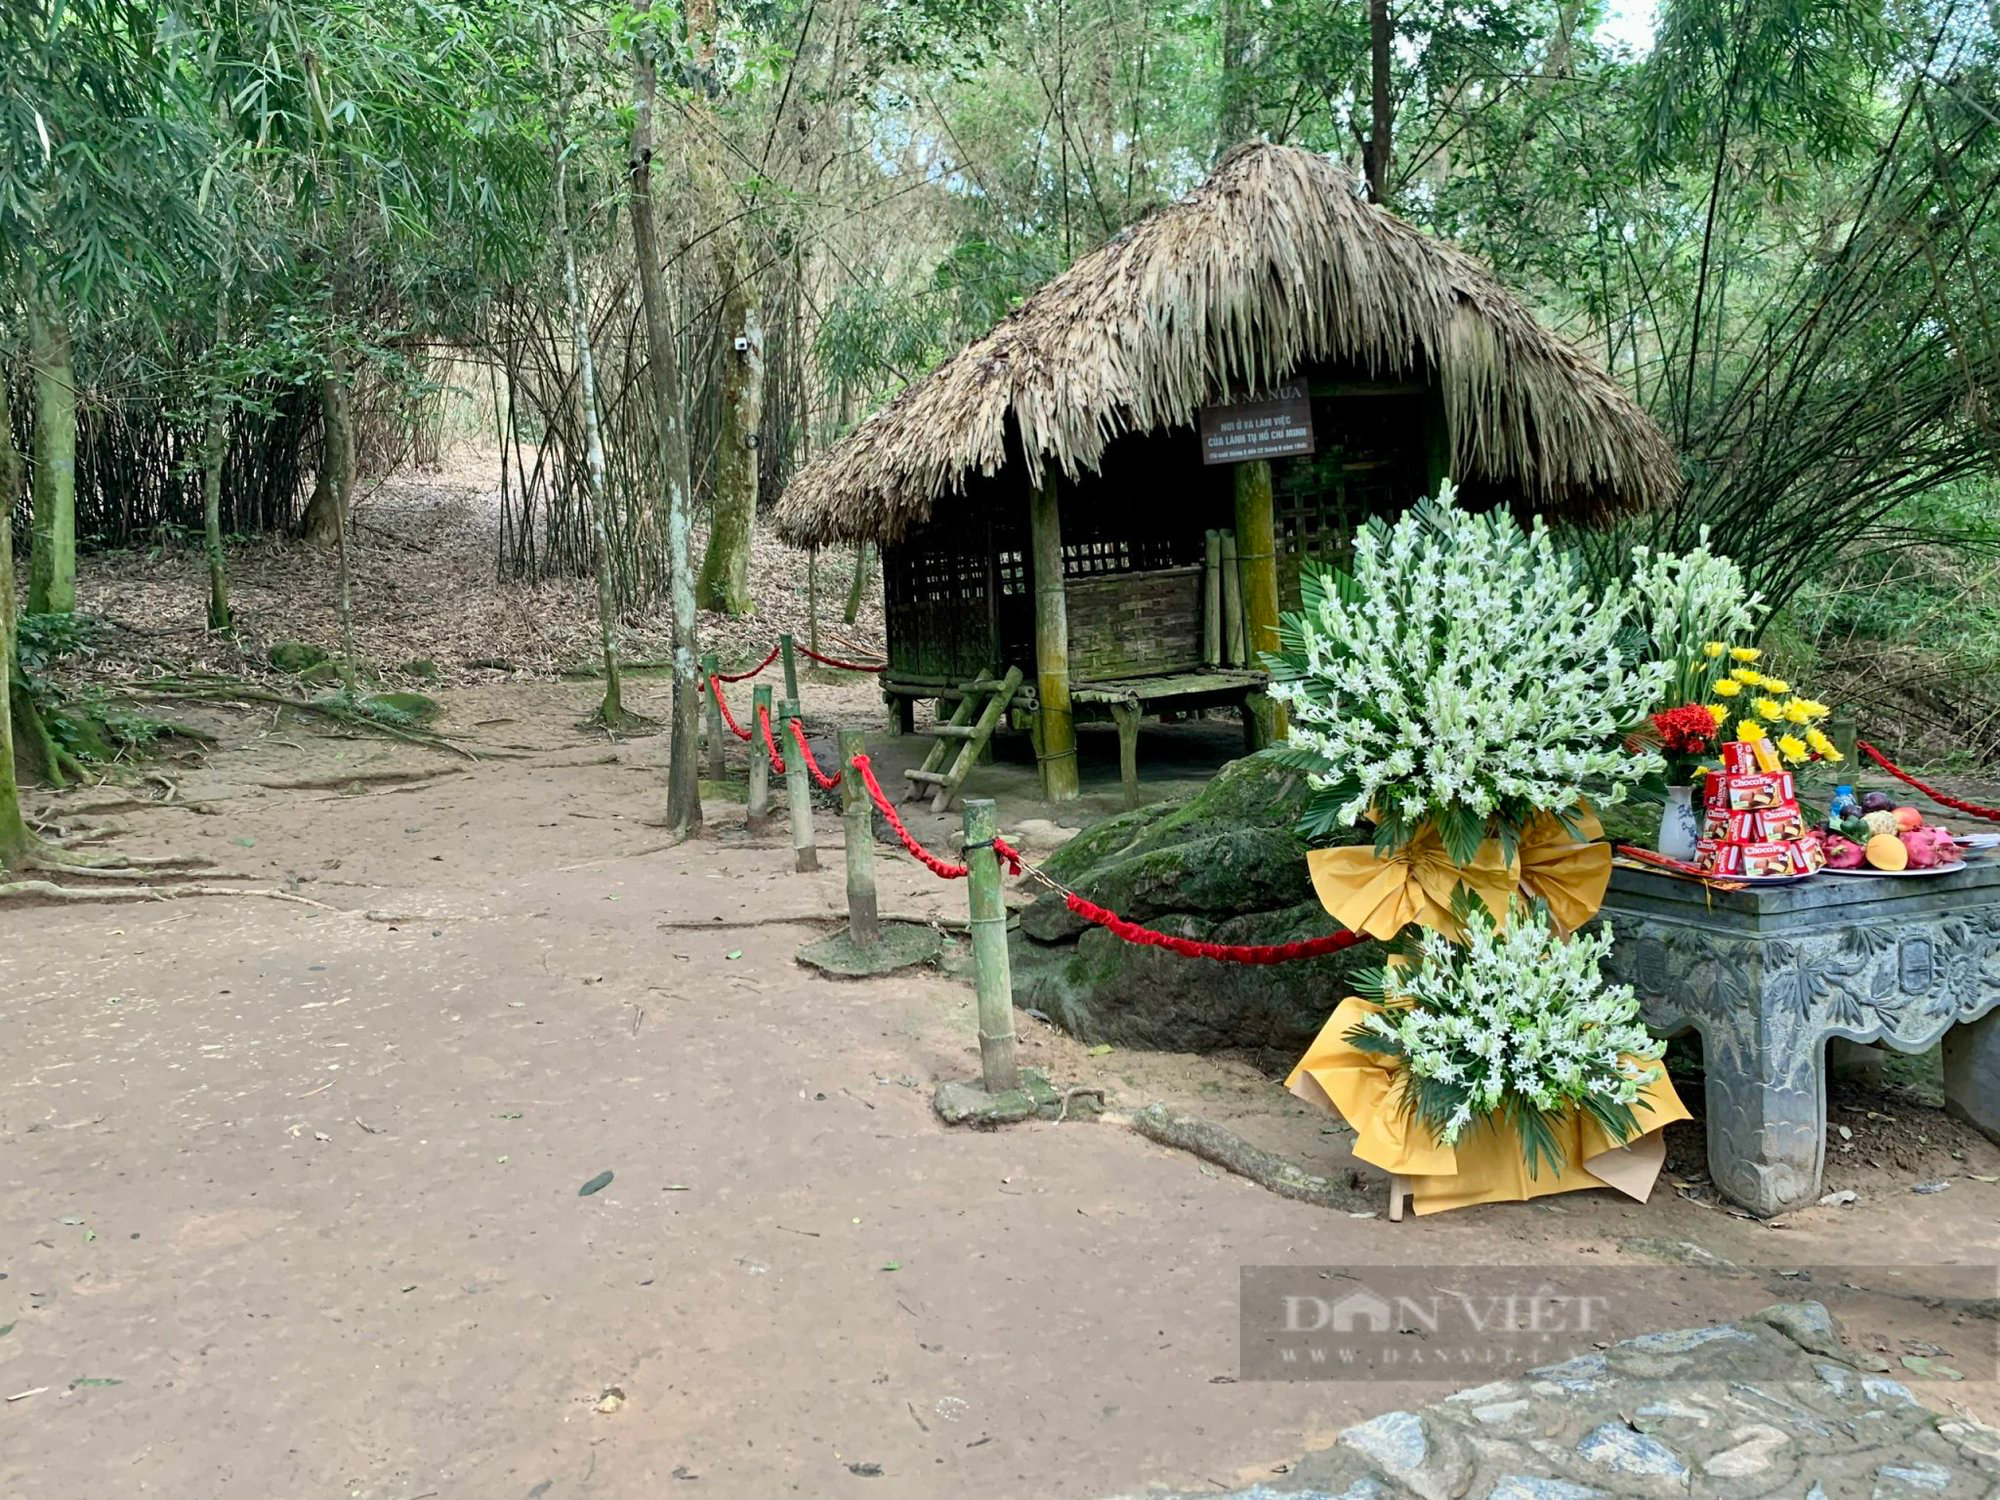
(742, 344)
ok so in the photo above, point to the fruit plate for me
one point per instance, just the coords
(1950, 869)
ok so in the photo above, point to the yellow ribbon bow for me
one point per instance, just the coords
(1380, 897)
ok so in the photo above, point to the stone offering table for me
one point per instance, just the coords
(1765, 975)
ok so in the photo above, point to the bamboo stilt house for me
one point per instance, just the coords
(1254, 370)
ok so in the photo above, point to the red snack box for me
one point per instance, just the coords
(1790, 857)
(1751, 793)
(1739, 759)
(1808, 854)
(1719, 823)
(1780, 824)
(1718, 857)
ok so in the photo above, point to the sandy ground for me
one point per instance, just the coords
(304, 1182)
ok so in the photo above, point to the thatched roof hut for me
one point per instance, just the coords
(1272, 265)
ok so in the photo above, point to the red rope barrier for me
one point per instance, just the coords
(834, 661)
(1943, 799)
(746, 676)
(1228, 953)
(715, 687)
(764, 723)
(943, 869)
(812, 766)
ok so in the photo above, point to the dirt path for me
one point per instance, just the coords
(305, 1183)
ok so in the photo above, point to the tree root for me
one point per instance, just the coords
(223, 690)
(1228, 1150)
(48, 890)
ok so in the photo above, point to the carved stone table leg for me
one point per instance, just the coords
(1766, 1123)
(1972, 1073)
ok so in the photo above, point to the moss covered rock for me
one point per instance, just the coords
(411, 708)
(1224, 867)
(295, 656)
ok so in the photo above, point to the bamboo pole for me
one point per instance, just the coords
(757, 811)
(992, 978)
(798, 790)
(1055, 745)
(1232, 604)
(1257, 558)
(857, 816)
(1211, 600)
(715, 731)
(788, 656)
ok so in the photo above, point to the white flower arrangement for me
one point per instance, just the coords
(1515, 1022)
(1682, 601)
(1465, 675)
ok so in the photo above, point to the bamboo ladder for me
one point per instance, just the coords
(982, 704)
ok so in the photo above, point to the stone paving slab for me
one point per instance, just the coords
(1771, 1406)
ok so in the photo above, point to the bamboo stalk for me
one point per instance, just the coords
(864, 926)
(1055, 744)
(1211, 600)
(1232, 604)
(757, 810)
(798, 790)
(715, 731)
(788, 657)
(992, 977)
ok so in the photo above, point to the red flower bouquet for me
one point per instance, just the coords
(1687, 737)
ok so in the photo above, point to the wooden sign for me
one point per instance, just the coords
(1275, 424)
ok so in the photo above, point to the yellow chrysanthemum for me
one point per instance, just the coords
(1822, 745)
(1814, 708)
(1745, 653)
(1798, 711)
(1749, 731)
(1718, 713)
(1749, 676)
(1713, 650)
(1792, 748)
(1728, 688)
(1769, 708)
(1777, 685)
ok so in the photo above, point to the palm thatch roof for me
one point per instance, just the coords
(1273, 263)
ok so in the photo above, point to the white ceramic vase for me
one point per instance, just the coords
(1678, 826)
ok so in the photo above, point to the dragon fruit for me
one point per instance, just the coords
(1842, 853)
(1929, 847)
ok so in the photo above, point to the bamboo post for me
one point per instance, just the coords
(787, 656)
(1211, 600)
(1840, 729)
(757, 811)
(857, 816)
(1055, 746)
(994, 982)
(798, 790)
(715, 730)
(1232, 604)
(1257, 558)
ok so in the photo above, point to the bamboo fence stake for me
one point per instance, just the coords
(1211, 600)
(1232, 603)
(708, 669)
(857, 816)
(991, 974)
(757, 811)
(798, 790)
(786, 655)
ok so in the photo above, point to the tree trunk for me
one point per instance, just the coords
(725, 572)
(1381, 142)
(326, 513)
(671, 435)
(612, 710)
(52, 567)
(864, 564)
(214, 453)
(15, 840)
(1236, 116)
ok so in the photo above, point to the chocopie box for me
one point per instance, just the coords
(1779, 824)
(1720, 823)
(1751, 792)
(1739, 758)
(1719, 857)
(1774, 858)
